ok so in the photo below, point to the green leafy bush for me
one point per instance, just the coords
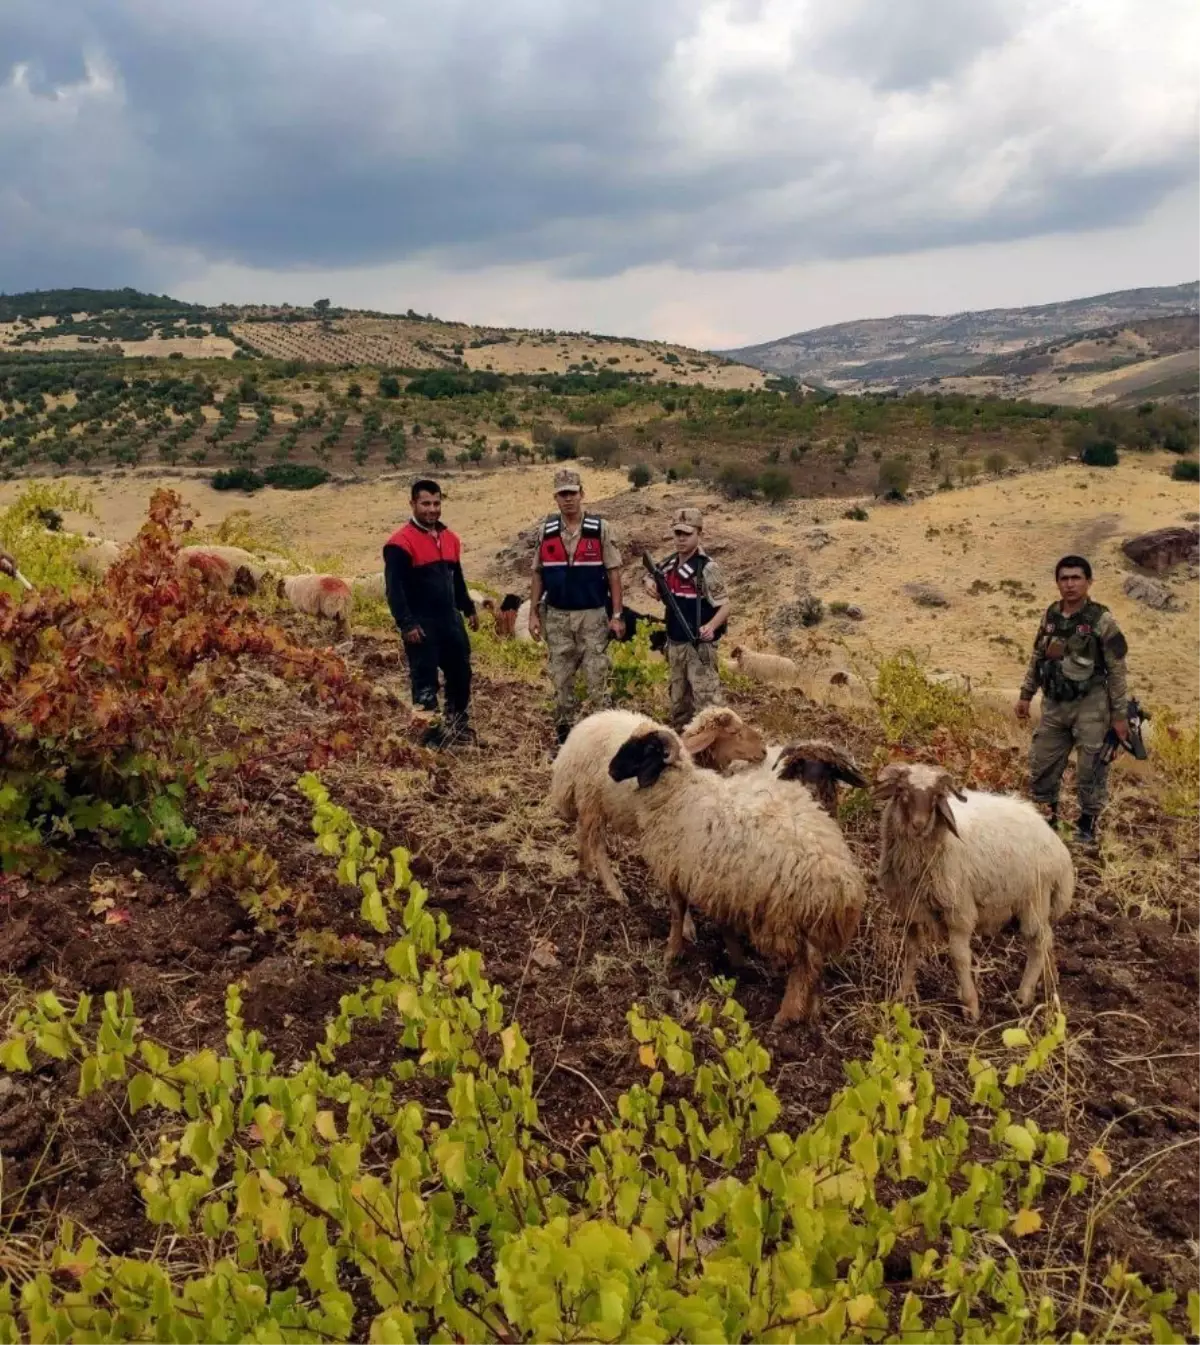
(1100, 453)
(294, 476)
(857, 513)
(911, 707)
(640, 476)
(237, 478)
(776, 485)
(737, 481)
(895, 477)
(1186, 470)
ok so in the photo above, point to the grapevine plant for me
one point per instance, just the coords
(429, 1201)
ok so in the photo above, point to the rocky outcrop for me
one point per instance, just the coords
(1151, 592)
(1164, 548)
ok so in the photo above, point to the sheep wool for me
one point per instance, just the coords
(771, 668)
(755, 854)
(320, 595)
(967, 862)
(582, 791)
(97, 557)
(521, 624)
(369, 587)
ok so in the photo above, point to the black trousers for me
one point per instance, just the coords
(445, 648)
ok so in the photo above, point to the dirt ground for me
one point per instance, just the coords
(572, 963)
(1006, 533)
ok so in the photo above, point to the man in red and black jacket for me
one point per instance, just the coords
(422, 568)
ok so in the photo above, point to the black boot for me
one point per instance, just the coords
(1085, 829)
(561, 730)
(459, 733)
(434, 736)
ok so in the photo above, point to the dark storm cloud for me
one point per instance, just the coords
(142, 141)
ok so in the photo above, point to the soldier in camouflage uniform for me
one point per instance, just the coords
(577, 572)
(699, 590)
(1078, 664)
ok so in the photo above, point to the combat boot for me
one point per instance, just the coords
(1085, 830)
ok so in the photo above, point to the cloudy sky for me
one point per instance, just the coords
(714, 171)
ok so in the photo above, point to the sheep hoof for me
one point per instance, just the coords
(689, 928)
(971, 1012)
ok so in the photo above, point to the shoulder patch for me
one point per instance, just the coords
(1116, 645)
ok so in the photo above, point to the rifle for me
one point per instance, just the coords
(668, 598)
(1135, 746)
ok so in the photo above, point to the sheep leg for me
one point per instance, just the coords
(689, 927)
(913, 947)
(593, 859)
(800, 998)
(960, 955)
(1040, 942)
(679, 913)
(734, 950)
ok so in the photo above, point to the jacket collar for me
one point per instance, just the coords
(439, 526)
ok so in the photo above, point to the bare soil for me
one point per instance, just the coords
(572, 963)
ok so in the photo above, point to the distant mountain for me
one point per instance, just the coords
(907, 349)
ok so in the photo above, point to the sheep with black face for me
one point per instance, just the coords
(753, 853)
(964, 862)
(818, 765)
(581, 790)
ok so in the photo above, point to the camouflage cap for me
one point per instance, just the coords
(691, 519)
(566, 478)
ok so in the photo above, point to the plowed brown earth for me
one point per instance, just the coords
(572, 963)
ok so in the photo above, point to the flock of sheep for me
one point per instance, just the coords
(747, 834)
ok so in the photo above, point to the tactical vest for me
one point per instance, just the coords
(685, 580)
(1070, 653)
(574, 583)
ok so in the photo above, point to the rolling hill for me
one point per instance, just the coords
(910, 349)
(127, 322)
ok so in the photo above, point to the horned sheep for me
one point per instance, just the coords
(757, 856)
(968, 862)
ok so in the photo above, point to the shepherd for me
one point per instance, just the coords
(427, 594)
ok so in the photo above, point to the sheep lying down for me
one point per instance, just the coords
(757, 855)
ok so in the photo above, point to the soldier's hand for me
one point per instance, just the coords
(414, 635)
(1022, 709)
(473, 621)
(617, 626)
(535, 625)
(706, 633)
(1121, 729)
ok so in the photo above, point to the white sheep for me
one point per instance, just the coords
(582, 792)
(97, 557)
(521, 624)
(320, 595)
(230, 567)
(755, 854)
(967, 862)
(369, 587)
(771, 668)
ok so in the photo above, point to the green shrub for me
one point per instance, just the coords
(776, 485)
(1187, 470)
(911, 707)
(564, 446)
(737, 481)
(640, 476)
(895, 477)
(389, 385)
(435, 455)
(237, 478)
(294, 476)
(1100, 453)
(996, 462)
(857, 513)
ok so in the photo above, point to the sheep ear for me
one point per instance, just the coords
(698, 740)
(946, 813)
